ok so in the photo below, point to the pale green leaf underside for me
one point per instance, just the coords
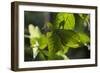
(34, 31)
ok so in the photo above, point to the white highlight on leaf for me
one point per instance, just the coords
(35, 49)
(34, 31)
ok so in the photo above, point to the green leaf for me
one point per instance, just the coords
(69, 38)
(42, 42)
(35, 49)
(36, 35)
(41, 56)
(45, 52)
(37, 40)
(79, 23)
(49, 25)
(83, 16)
(65, 21)
(72, 44)
(65, 49)
(61, 53)
(82, 23)
(32, 41)
(84, 38)
(34, 31)
(86, 18)
(54, 43)
(61, 39)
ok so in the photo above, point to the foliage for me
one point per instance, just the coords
(66, 31)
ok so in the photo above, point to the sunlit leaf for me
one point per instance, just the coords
(60, 53)
(54, 41)
(61, 40)
(69, 38)
(34, 31)
(35, 49)
(65, 21)
(84, 38)
(32, 41)
(72, 44)
(37, 40)
(42, 42)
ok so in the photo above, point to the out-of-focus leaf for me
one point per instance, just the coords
(32, 41)
(61, 53)
(41, 56)
(72, 44)
(65, 21)
(34, 31)
(85, 18)
(65, 49)
(35, 49)
(45, 52)
(42, 42)
(50, 25)
(35, 35)
(37, 40)
(79, 23)
(84, 38)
